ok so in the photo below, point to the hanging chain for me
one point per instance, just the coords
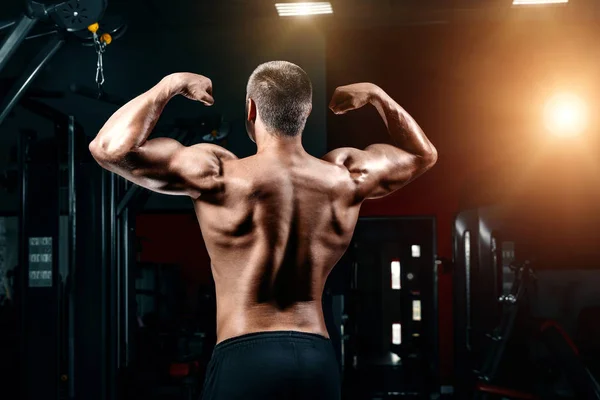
(100, 48)
(100, 43)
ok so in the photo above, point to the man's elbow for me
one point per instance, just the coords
(104, 154)
(433, 156)
(99, 153)
(429, 159)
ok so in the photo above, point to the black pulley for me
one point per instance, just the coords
(49, 2)
(76, 15)
(114, 25)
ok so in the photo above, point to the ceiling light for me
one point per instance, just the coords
(310, 8)
(530, 2)
(565, 114)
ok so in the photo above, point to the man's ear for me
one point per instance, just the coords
(251, 110)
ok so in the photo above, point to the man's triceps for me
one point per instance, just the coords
(166, 166)
(197, 169)
(201, 167)
(385, 169)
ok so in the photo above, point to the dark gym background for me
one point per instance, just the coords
(475, 74)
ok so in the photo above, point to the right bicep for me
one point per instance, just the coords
(378, 170)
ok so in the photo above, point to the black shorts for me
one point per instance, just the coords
(273, 365)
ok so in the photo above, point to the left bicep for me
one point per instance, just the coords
(166, 166)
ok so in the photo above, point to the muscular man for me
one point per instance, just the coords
(274, 224)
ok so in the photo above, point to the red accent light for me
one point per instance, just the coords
(553, 324)
(181, 370)
(504, 392)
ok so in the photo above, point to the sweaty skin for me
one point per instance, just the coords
(275, 223)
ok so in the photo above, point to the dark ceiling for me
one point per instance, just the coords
(226, 14)
(346, 12)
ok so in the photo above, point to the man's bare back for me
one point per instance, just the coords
(273, 238)
(274, 224)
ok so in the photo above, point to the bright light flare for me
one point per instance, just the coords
(531, 2)
(565, 115)
(416, 309)
(396, 334)
(307, 8)
(415, 250)
(396, 275)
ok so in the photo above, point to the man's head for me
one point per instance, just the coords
(279, 94)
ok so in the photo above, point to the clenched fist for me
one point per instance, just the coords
(193, 86)
(351, 97)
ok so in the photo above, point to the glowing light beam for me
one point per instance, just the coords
(565, 115)
(306, 8)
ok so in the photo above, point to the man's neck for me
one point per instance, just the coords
(268, 143)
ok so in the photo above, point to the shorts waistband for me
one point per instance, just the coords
(260, 336)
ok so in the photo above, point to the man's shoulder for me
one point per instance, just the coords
(219, 151)
(341, 155)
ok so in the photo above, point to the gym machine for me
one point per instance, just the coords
(63, 20)
(385, 288)
(64, 333)
(78, 313)
(75, 312)
(501, 350)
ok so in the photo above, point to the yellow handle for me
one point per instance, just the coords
(94, 27)
(106, 38)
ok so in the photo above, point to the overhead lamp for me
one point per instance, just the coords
(532, 2)
(305, 8)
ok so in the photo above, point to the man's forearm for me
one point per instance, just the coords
(403, 129)
(131, 125)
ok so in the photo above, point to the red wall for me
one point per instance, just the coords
(175, 239)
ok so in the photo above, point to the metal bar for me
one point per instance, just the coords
(492, 362)
(72, 251)
(39, 35)
(23, 250)
(104, 298)
(21, 86)
(113, 338)
(56, 277)
(16, 37)
(434, 323)
(72, 195)
(127, 198)
(119, 278)
(6, 24)
(126, 282)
